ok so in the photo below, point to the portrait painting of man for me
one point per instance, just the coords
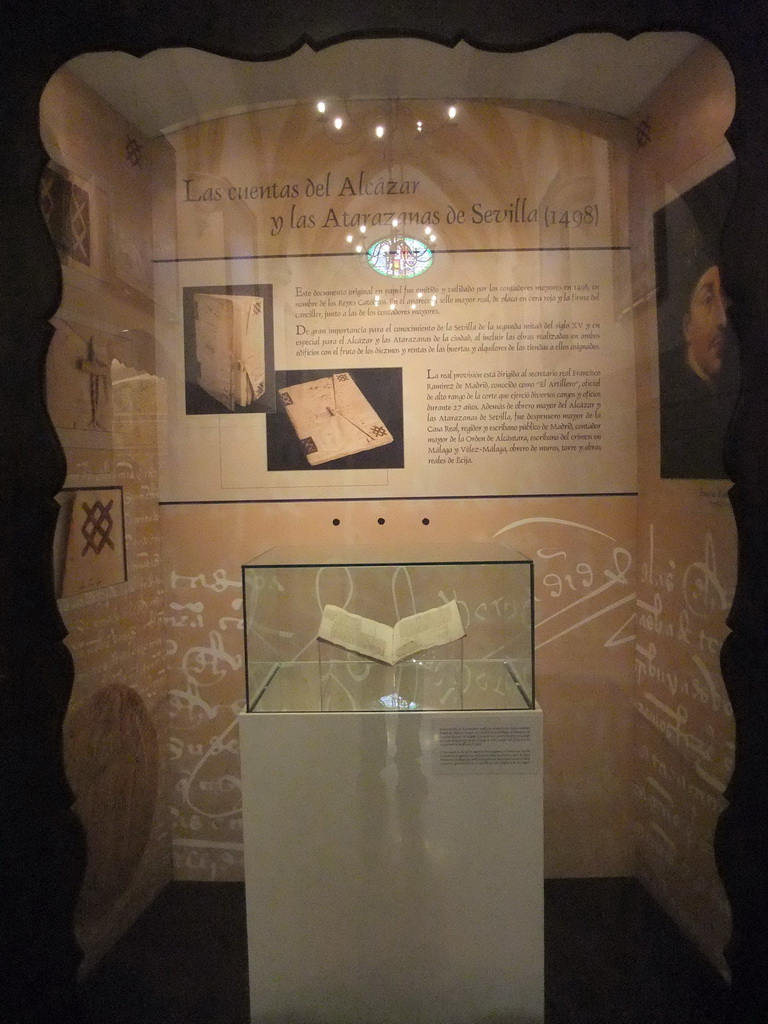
(698, 369)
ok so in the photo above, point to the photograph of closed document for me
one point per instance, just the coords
(229, 336)
(229, 364)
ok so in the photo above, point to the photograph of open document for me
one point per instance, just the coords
(333, 418)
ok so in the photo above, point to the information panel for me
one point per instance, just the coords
(441, 311)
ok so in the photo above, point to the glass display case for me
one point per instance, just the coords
(437, 800)
(382, 628)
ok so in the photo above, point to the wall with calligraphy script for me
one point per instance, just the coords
(585, 601)
(683, 735)
(105, 402)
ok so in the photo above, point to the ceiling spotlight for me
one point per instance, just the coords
(391, 305)
(321, 107)
(379, 131)
(337, 123)
(419, 126)
(358, 248)
(395, 222)
(349, 238)
(451, 112)
(363, 229)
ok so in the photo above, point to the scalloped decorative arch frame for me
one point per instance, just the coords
(42, 848)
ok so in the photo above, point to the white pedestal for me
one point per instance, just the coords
(393, 865)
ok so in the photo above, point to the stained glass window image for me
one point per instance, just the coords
(398, 256)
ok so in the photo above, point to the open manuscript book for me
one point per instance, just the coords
(410, 635)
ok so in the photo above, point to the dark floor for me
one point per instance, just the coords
(612, 957)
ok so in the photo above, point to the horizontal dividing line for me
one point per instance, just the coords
(546, 248)
(206, 844)
(255, 256)
(437, 497)
(357, 255)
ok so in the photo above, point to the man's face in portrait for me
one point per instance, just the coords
(704, 325)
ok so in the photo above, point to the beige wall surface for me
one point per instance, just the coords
(105, 406)
(583, 552)
(683, 744)
(272, 184)
(630, 594)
